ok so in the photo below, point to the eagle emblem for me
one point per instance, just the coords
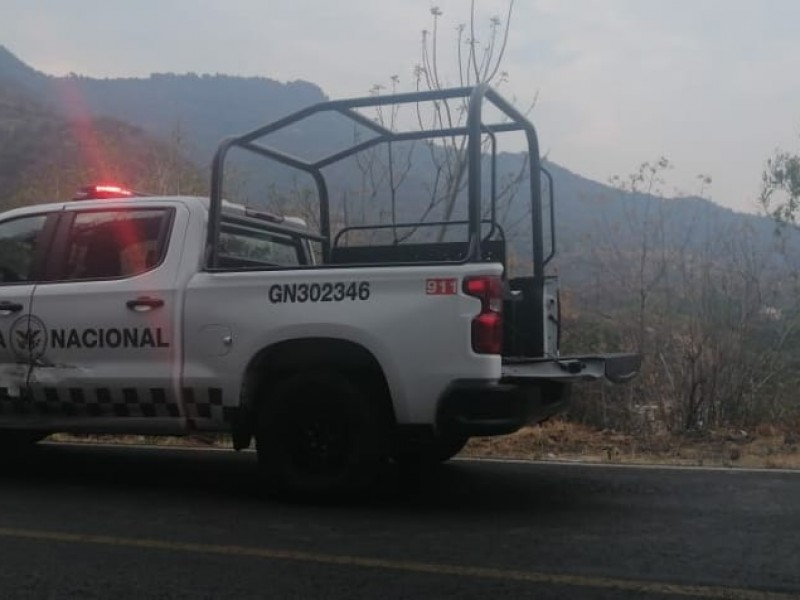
(28, 338)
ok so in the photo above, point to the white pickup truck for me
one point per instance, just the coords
(122, 313)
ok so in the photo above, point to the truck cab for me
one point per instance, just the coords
(91, 306)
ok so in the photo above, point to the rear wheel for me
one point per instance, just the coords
(319, 433)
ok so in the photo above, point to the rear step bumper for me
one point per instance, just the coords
(617, 368)
(478, 407)
(530, 391)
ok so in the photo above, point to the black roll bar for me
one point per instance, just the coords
(551, 200)
(474, 129)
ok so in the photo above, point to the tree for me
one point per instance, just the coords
(707, 303)
(780, 187)
(478, 58)
(475, 66)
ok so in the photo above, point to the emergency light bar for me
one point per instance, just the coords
(104, 192)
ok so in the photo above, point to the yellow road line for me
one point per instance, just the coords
(557, 579)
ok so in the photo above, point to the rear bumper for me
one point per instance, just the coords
(473, 407)
(530, 391)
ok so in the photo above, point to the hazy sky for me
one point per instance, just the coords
(714, 85)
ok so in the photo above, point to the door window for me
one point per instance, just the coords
(114, 244)
(19, 240)
(245, 247)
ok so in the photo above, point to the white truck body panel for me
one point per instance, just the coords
(421, 341)
(95, 342)
(13, 373)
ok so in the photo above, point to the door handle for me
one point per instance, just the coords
(144, 304)
(7, 308)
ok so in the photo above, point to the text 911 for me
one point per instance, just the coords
(443, 286)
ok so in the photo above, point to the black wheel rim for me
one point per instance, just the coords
(317, 435)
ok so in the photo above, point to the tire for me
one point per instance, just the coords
(319, 434)
(440, 449)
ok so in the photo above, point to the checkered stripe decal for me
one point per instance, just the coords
(107, 402)
(204, 404)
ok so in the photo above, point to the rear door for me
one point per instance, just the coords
(22, 248)
(111, 312)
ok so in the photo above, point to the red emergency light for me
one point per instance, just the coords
(104, 192)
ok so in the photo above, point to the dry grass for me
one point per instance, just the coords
(189, 441)
(767, 447)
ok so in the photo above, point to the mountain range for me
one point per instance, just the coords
(134, 123)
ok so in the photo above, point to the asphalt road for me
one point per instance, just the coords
(84, 522)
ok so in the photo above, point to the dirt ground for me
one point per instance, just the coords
(765, 447)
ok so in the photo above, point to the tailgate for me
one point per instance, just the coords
(617, 368)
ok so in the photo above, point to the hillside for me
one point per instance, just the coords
(45, 156)
(206, 108)
(197, 111)
(192, 113)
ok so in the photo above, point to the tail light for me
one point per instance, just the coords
(487, 327)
